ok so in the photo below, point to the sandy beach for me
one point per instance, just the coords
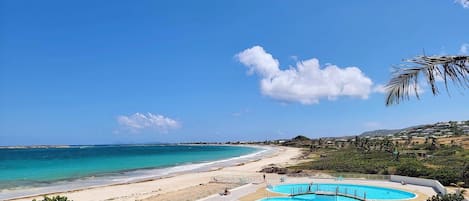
(194, 185)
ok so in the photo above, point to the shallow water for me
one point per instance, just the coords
(22, 167)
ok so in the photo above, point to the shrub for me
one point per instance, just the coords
(54, 198)
(465, 176)
(445, 176)
(412, 169)
(447, 197)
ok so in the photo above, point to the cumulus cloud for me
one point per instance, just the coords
(306, 83)
(259, 61)
(381, 88)
(464, 49)
(139, 122)
(464, 3)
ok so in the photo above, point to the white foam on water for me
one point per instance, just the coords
(130, 176)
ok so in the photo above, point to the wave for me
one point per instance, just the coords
(129, 176)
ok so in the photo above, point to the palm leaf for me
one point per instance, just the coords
(404, 80)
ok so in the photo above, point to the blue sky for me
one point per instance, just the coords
(98, 72)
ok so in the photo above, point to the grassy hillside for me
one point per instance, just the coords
(448, 164)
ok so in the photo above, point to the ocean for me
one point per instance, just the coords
(96, 165)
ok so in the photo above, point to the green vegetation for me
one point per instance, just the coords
(447, 197)
(54, 198)
(352, 160)
(447, 164)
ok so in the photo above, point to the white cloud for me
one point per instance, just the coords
(306, 83)
(257, 60)
(138, 122)
(464, 49)
(464, 3)
(294, 58)
(381, 88)
(438, 77)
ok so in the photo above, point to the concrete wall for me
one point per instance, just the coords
(419, 181)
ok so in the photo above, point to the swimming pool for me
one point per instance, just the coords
(310, 197)
(372, 192)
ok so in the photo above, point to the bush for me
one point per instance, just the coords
(465, 176)
(351, 160)
(445, 176)
(447, 197)
(412, 169)
(54, 198)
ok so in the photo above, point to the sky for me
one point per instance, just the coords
(104, 72)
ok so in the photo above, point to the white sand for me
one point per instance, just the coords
(141, 190)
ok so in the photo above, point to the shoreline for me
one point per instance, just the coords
(210, 167)
(128, 176)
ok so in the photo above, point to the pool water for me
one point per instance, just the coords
(372, 192)
(310, 197)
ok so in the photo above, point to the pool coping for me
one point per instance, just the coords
(287, 195)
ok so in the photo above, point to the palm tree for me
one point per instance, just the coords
(446, 68)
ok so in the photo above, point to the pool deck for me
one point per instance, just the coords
(252, 192)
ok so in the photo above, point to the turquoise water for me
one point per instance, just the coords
(372, 192)
(36, 166)
(310, 197)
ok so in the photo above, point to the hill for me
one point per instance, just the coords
(381, 132)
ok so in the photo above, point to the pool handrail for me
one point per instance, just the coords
(318, 191)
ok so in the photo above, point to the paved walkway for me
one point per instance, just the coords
(235, 194)
(254, 192)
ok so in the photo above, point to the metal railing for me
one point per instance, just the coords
(316, 189)
(361, 176)
(236, 179)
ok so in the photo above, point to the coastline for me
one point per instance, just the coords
(139, 188)
(129, 176)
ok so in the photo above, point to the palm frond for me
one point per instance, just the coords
(447, 68)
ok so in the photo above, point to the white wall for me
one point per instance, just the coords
(419, 181)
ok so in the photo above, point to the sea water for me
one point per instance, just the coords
(29, 167)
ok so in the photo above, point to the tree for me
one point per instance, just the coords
(465, 174)
(405, 80)
(434, 145)
(388, 145)
(409, 140)
(357, 139)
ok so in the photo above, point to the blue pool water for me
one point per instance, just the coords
(372, 192)
(310, 197)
